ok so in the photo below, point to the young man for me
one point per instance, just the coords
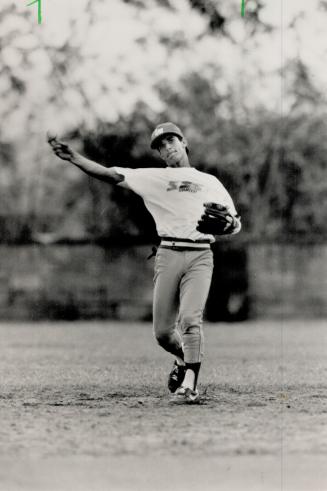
(176, 197)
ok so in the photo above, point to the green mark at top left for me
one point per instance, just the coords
(39, 10)
(243, 8)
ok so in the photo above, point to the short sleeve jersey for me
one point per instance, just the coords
(175, 197)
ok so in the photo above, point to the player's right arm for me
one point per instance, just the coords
(93, 169)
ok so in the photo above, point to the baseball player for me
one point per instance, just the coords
(189, 208)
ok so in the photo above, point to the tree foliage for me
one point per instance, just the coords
(196, 62)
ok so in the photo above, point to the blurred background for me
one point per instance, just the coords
(250, 95)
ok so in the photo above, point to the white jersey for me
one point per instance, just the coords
(175, 197)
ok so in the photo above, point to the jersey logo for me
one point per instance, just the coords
(183, 186)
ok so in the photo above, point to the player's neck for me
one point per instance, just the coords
(184, 162)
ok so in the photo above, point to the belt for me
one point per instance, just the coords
(179, 244)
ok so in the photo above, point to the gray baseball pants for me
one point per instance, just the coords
(181, 285)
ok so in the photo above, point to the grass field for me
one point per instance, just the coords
(84, 406)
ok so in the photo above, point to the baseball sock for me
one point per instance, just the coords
(191, 376)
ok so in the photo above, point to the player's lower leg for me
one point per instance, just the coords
(191, 375)
(176, 375)
(187, 391)
(193, 350)
(192, 342)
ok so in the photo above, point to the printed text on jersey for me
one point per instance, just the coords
(184, 186)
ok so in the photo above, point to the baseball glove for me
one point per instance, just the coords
(216, 220)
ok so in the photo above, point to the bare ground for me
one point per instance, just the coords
(84, 406)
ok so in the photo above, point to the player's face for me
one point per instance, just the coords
(173, 151)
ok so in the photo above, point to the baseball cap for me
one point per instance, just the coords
(164, 129)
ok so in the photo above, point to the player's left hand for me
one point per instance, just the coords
(216, 220)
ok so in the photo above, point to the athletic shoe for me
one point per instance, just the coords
(184, 395)
(176, 376)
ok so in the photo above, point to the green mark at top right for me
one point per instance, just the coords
(243, 8)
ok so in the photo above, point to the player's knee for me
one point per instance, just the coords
(191, 321)
(163, 339)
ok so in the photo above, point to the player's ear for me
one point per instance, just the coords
(184, 142)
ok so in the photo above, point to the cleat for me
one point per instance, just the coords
(176, 377)
(185, 395)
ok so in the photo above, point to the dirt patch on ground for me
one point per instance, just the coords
(85, 392)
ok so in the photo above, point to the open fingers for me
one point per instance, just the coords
(56, 144)
(62, 147)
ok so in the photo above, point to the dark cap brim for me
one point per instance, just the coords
(155, 142)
